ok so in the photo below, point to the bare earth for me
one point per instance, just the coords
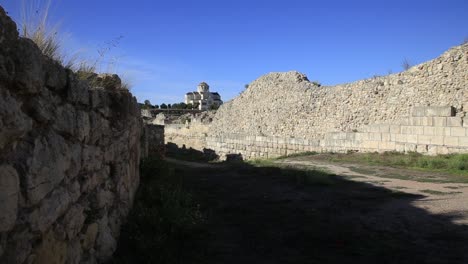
(263, 215)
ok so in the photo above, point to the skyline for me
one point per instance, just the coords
(168, 48)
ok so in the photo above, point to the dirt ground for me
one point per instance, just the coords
(266, 215)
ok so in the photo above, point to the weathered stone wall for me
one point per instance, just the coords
(190, 130)
(69, 158)
(421, 110)
(288, 105)
(430, 130)
(153, 141)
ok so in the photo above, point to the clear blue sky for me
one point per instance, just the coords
(168, 47)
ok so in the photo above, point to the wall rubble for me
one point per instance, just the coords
(69, 158)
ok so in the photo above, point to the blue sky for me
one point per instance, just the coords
(168, 47)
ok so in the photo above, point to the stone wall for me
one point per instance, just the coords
(429, 130)
(69, 158)
(288, 105)
(153, 141)
(421, 110)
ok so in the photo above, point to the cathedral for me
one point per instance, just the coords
(203, 99)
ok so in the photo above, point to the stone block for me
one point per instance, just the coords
(458, 131)
(410, 147)
(412, 139)
(427, 121)
(439, 121)
(465, 121)
(451, 141)
(463, 142)
(387, 146)
(454, 121)
(433, 111)
(416, 121)
(375, 136)
(401, 138)
(395, 129)
(9, 194)
(384, 128)
(386, 137)
(374, 128)
(422, 139)
(437, 140)
(429, 131)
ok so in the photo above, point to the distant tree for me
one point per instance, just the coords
(147, 102)
(163, 106)
(189, 106)
(246, 86)
(195, 105)
(156, 106)
(214, 107)
(169, 106)
(406, 64)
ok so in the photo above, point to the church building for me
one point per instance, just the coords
(203, 98)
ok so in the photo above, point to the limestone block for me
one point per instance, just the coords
(458, 131)
(451, 141)
(454, 121)
(9, 194)
(48, 163)
(417, 130)
(387, 146)
(416, 121)
(463, 141)
(412, 139)
(437, 140)
(384, 128)
(410, 147)
(401, 137)
(432, 111)
(395, 129)
(440, 121)
(386, 136)
(429, 131)
(421, 148)
(422, 139)
(375, 136)
(465, 121)
(374, 128)
(73, 221)
(50, 209)
(427, 121)
(13, 122)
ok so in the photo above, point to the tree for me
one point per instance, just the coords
(195, 105)
(156, 106)
(189, 106)
(147, 102)
(163, 106)
(169, 106)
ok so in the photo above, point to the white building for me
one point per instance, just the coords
(203, 98)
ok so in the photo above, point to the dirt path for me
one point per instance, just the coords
(265, 215)
(440, 198)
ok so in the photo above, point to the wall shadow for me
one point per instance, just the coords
(268, 214)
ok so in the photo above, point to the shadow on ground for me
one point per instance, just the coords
(270, 215)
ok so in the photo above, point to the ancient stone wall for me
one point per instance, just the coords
(69, 158)
(288, 105)
(421, 110)
(429, 130)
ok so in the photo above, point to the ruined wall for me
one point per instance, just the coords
(153, 141)
(422, 109)
(284, 113)
(429, 130)
(69, 158)
(287, 105)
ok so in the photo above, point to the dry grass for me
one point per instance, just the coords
(35, 25)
